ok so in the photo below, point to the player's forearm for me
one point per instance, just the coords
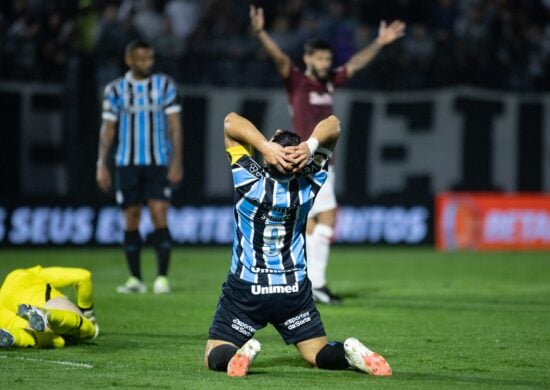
(273, 50)
(176, 138)
(362, 58)
(281, 59)
(239, 130)
(327, 131)
(106, 138)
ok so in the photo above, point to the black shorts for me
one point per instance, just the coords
(241, 312)
(137, 184)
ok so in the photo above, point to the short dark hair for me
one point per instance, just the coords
(137, 44)
(316, 44)
(286, 138)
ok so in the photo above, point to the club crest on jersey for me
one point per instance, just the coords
(320, 99)
(263, 290)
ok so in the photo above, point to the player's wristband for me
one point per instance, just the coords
(312, 144)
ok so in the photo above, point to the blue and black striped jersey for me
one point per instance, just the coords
(270, 219)
(141, 107)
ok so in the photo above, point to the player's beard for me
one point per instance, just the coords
(318, 77)
(143, 74)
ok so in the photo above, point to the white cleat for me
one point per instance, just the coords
(362, 358)
(240, 362)
(161, 285)
(132, 286)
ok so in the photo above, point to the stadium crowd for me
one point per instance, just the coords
(503, 44)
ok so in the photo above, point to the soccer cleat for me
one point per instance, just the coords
(37, 318)
(324, 295)
(96, 326)
(6, 338)
(132, 286)
(240, 362)
(161, 285)
(364, 359)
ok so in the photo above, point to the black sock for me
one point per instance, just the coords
(219, 357)
(163, 245)
(132, 248)
(332, 357)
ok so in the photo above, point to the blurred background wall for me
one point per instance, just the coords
(462, 103)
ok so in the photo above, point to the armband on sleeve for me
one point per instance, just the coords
(236, 152)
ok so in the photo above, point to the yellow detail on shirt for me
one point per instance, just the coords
(236, 152)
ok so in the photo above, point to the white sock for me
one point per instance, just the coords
(318, 248)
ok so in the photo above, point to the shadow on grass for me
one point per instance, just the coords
(351, 295)
(456, 379)
(451, 303)
(281, 361)
(158, 336)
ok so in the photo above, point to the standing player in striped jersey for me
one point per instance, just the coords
(310, 95)
(142, 107)
(268, 281)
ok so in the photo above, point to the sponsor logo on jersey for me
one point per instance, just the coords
(262, 290)
(259, 270)
(320, 99)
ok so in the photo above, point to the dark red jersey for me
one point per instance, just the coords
(311, 100)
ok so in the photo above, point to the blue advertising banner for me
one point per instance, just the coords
(200, 225)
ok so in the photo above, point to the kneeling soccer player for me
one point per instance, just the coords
(34, 313)
(268, 282)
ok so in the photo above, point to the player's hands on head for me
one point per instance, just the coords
(299, 156)
(103, 177)
(277, 156)
(257, 20)
(389, 33)
(175, 172)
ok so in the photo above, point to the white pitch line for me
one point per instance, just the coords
(61, 362)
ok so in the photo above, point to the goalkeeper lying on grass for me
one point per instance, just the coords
(34, 313)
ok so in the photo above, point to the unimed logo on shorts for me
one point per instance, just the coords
(260, 290)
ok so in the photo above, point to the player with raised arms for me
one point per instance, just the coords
(310, 95)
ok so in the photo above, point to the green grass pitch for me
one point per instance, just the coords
(442, 320)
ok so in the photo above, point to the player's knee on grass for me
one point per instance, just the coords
(332, 357)
(219, 357)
